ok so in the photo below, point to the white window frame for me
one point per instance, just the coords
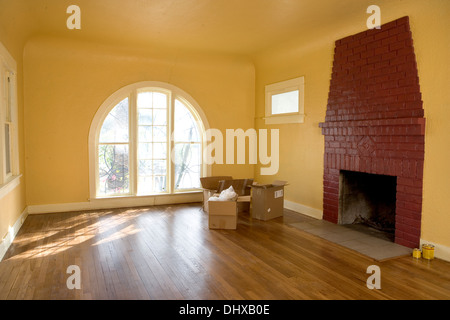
(284, 87)
(8, 108)
(131, 92)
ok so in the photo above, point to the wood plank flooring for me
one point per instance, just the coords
(168, 252)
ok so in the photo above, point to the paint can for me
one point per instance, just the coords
(428, 251)
(417, 253)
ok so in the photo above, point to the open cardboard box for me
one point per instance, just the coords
(213, 186)
(223, 214)
(243, 189)
(268, 200)
(210, 186)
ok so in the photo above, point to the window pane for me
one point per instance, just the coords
(113, 169)
(159, 117)
(159, 151)
(159, 167)
(145, 116)
(145, 133)
(285, 102)
(159, 100)
(186, 129)
(159, 183)
(145, 168)
(159, 134)
(8, 97)
(145, 151)
(145, 185)
(145, 100)
(187, 165)
(115, 126)
(7, 149)
(152, 176)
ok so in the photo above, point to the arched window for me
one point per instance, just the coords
(147, 139)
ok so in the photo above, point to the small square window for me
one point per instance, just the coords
(284, 102)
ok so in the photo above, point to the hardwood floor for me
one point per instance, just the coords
(168, 252)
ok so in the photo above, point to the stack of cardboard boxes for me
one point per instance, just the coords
(264, 201)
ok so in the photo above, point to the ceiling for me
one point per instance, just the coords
(226, 26)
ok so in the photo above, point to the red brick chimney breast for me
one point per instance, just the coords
(375, 121)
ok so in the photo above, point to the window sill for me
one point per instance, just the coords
(147, 200)
(282, 119)
(7, 187)
(142, 196)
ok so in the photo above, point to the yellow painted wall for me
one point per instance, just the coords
(301, 145)
(12, 206)
(67, 81)
(301, 154)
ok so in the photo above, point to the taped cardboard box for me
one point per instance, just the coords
(210, 186)
(268, 200)
(222, 214)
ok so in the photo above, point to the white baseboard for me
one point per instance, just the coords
(440, 251)
(12, 232)
(300, 208)
(120, 202)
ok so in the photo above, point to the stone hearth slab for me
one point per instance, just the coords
(370, 245)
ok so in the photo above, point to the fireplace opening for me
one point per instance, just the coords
(368, 202)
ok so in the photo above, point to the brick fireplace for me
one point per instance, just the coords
(375, 121)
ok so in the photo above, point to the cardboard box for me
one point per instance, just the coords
(243, 188)
(222, 214)
(268, 200)
(240, 186)
(210, 186)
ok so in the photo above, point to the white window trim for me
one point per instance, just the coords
(8, 181)
(104, 110)
(282, 87)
